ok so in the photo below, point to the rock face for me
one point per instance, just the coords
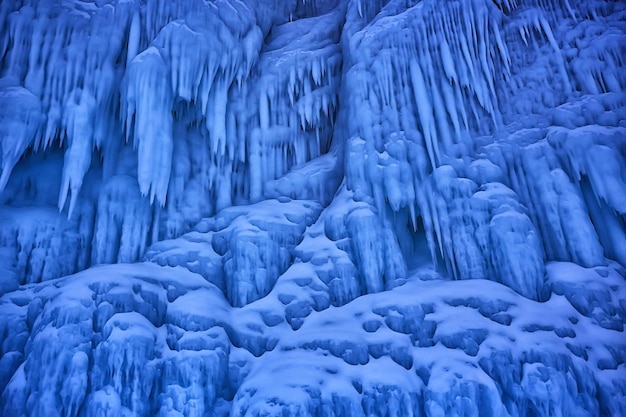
(312, 208)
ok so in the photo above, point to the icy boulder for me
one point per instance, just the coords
(143, 339)
(154, 344)
(123, 220)
(258, 248)
(31, 253)
(405, 354)
(244, 249)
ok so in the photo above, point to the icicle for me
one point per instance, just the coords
(425, 112)
(548, 32)
(150, 96)
(79, 125)
(448, 62)
(133, 38)
(20, 119)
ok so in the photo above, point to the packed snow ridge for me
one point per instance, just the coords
(312, 208)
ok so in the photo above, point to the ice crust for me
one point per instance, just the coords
(312, 208)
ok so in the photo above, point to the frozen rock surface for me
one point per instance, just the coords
(312, 208)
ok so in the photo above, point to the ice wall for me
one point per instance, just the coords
(161, 92)
(468, 143)
(441, 114)
(320, 207)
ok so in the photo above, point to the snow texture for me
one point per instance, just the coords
(256, 208)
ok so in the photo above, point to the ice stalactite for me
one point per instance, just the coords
(20, 122)
(149, 94)
(67, 75)
(552, 198)
(80, 121)
(423, 90)
(168, 78)
(296, 88)
(440, 105)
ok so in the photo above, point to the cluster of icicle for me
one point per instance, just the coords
(492, 126)
(168, 94)
(457, 136)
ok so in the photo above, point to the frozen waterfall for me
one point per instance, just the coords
(258, 208)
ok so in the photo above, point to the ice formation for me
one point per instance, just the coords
(312, 208)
